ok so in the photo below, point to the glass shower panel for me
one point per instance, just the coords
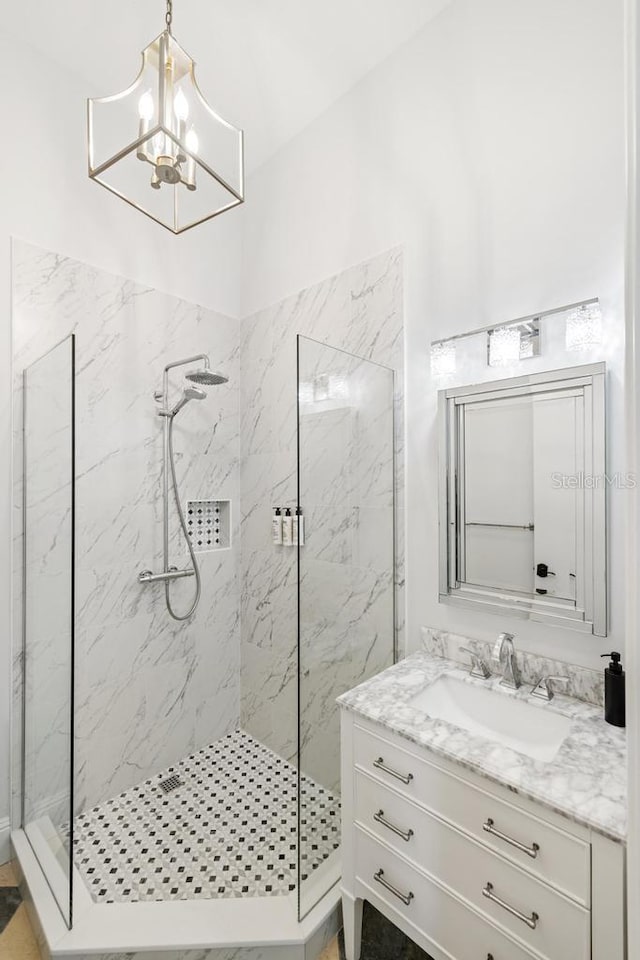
(346, 610)
(48, 526)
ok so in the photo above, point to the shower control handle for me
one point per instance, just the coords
(147, 576)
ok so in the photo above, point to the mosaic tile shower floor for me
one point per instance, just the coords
(228, 830)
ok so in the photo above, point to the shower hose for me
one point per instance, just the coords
(194, 561)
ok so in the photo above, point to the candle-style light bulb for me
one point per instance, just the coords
(181, 106)
(192, 141)
(145, 106)
(181, 110)
(192, 144)
(145, 113)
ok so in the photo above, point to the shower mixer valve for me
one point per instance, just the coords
(199, 377)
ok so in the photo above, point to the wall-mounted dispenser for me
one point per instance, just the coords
(276, 526)
(287, 526)
(298, 528)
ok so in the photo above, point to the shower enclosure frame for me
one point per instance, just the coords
(165, 925)
(331, 871)
(37, 842)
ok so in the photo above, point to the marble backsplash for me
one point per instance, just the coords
(584, 684)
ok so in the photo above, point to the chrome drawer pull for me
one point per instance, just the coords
(531, 851)
(531, 921)
(380, 818)
(406, 898)
(380, 764)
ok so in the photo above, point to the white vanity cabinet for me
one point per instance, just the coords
(465, 867)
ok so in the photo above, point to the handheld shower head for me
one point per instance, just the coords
(189, 393)
(192, 393)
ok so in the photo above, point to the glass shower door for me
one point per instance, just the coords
(48, 621)
(346, 566)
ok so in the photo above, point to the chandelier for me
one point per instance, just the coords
(159, 145)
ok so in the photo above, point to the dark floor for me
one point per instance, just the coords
(382, 941)
(9, 903)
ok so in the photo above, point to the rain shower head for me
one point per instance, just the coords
(206, 377)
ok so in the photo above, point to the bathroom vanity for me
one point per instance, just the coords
(475, 849)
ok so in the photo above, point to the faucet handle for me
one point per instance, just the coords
(543, 689)
(479, 668)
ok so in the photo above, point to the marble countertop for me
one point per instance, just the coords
(586, 782)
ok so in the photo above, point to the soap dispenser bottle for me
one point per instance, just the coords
(614, 691)
(276, 526)
(287, 528)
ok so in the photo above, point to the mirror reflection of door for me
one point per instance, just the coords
(517, 514)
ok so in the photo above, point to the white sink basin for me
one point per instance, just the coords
(538, 733)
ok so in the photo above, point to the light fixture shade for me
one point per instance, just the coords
(443, 360)
(504, 346)
(159, 146)
(584, 327)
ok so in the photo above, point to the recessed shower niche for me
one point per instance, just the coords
(209, 524)
(236, 701)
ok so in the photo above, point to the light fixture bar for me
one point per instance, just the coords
(520, 320)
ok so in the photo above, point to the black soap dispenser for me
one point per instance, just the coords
(614, 691)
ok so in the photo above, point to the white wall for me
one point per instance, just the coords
(492, 147)
(48, 200)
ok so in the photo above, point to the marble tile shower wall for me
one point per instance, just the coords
(347, 565)
(48, 443)
(359, 311)
(148, 690)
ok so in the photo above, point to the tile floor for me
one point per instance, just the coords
(221, 823)
(17, 941)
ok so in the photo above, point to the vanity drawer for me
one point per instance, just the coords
(433, 917)
(558, 858)
(471, 871)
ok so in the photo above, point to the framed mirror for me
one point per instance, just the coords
(522, 497)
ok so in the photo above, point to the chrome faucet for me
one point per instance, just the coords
(504, 658)
(479, 667)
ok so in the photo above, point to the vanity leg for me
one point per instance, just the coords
(352, 919)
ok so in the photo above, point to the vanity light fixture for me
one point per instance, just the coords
(584, 327)
(443, 359)
(516, 340)
(513, 342)
(503, 346)
(159, 145)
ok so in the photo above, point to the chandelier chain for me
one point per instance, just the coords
(169, 15)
